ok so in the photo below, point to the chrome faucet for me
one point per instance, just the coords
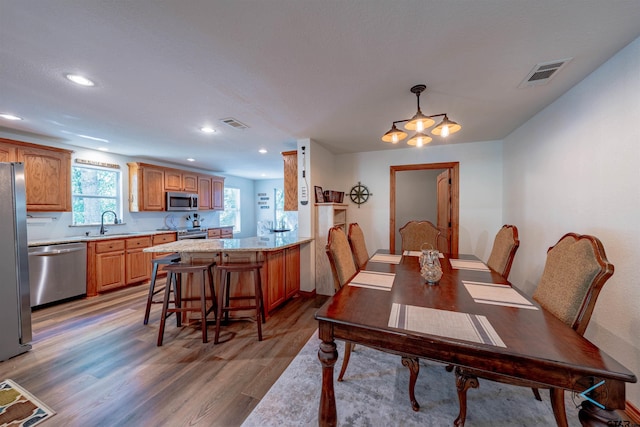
(115, 221)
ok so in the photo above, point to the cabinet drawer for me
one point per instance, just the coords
(226, 232)
(109, 246)
(214, 233)
(159, 239)
(139, 242)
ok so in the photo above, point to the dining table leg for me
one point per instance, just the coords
(328, 355)
(557, 404)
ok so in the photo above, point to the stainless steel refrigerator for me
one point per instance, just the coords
(15, 308)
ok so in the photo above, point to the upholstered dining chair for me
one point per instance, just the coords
(415, 233)
(504, 249)
(575, 271)
(340, 257)
(343, 268)
(358, 245)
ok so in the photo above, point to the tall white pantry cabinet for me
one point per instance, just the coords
(327, 215)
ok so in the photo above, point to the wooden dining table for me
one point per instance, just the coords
(531, 343)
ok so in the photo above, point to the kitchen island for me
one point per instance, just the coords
(279, 252)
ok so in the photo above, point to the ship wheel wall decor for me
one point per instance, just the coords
(359, 194)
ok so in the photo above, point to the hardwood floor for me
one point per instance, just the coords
(96, 364)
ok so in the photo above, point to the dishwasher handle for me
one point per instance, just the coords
(56, 252)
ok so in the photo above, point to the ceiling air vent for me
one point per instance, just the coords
(543, 72)
(234, 123)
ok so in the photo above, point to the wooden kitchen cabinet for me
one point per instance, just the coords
(290, 180)
(273, 271)
(109, 264)
(138, 263)
(7, 152)
(291, 271)
(217, 184)
(177, 180)
(47, 172)
(220, 233)
(146, 187)
(205, 199)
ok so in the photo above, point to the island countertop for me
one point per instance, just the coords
(271, 242)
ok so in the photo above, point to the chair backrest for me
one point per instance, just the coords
(574, 273)
(415, 233)
(340, 257)
(504, 250)
(358, 245)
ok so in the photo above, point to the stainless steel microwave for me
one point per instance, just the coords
(178, 201)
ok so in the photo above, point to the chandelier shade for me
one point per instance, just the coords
(446, 127)
(419, 139)
(420, 123)
(395, 135)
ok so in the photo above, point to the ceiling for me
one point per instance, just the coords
(336, 71)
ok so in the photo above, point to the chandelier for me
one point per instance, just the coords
(420, 123)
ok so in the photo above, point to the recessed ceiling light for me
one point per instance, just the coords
(207, 129)
(191, 159)
(262, 151)
(8, 116)
(80, 80)
(103, 149)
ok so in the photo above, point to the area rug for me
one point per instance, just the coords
(375, 393)
(18, 407)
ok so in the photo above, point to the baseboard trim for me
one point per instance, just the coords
(632, 412)
(308, 294)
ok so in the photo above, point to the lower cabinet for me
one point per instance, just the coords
(281, 276)
(109, 271)
(138, 263)
(115, 263)
(292, 271)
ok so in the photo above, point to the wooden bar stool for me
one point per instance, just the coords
(174, 272)
(225, 298)
(168, 259)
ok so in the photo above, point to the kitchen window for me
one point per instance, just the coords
(230, 217)
(93, 191)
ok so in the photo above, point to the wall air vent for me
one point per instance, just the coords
(543, 72)
(230, 121)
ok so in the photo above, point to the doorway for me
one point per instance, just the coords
(448, 202)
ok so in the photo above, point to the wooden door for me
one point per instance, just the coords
(290, 180)
(152, 189)
(443, 182)
(204, 193)
(7, 153)
(110, 270)
(218, 193)
(190, 182)
(47, 179)
(172, 180)
(275, 280)
(292, 271)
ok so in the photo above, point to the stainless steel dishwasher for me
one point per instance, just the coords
(57, 272)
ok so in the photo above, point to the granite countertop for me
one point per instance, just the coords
(83, 238)
(261, 243)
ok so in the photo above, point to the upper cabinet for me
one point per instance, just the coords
(177, 180)
(290, 180)
(148, 185)
(47, 173)
(205, 195)
(217, 186)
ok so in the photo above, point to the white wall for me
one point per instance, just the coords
(575, 167)
(480, 189)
